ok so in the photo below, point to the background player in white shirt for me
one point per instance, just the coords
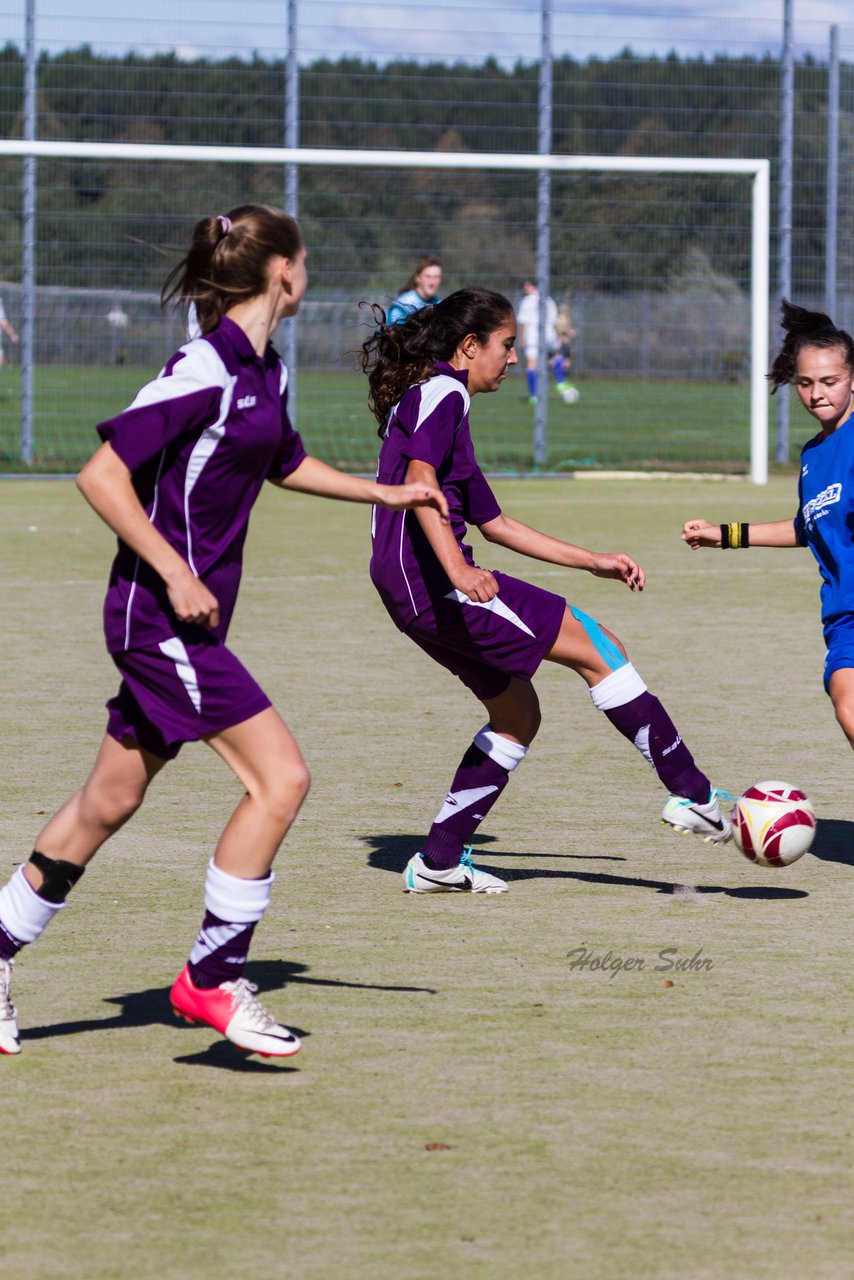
(7, 329)
(528, 319)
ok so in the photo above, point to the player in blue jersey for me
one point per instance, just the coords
(421, 290)
(489, 629)
(819, 359)
(175, 478)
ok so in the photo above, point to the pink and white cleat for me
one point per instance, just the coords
(232, 1009)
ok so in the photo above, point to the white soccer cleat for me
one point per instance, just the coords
(704, 820)
(232, 1009)
(9, 1040)
(463, 878)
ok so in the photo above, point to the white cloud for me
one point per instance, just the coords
(507, 30)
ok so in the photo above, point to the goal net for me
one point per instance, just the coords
(660, 263)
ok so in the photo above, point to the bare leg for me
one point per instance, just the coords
(515, 713)
(842, 696)
(263, 754)
(574, 648)
(111, 795)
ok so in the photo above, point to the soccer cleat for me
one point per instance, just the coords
(231, 1008)
(463, 878)
(705, 820)
(9, 1042)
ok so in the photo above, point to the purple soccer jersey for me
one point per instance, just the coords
(200, 440)
(429, 424)
(484, 645)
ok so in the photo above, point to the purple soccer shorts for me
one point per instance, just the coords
(180, 692)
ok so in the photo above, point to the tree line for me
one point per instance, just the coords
(98, 221)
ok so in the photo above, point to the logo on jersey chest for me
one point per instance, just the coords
(246, 402)
(817, 506)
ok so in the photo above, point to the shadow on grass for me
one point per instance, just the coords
(834, 841)
(151, 1008)
(225, 1056)
(392, 852)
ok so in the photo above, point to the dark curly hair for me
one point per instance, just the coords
(397, 356)
(806, 329)
(227, 260)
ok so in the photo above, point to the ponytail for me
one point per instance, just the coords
(227, 260)
(805, 328)
(398, 356)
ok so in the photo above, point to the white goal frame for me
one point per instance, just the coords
(758, 170)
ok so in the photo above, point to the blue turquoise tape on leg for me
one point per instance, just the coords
(605, 647)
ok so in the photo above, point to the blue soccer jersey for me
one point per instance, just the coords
(825, 517)
(199, 442)
(429, 424)
(406, 305)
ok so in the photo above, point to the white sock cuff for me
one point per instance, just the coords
(620, 687)
(22, 912)
(235, 900)
(500, 749)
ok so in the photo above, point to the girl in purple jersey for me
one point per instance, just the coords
(175, 479)
(491, 630)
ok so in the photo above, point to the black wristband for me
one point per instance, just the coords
(735, 536)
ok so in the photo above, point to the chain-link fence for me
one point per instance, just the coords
(655, 269)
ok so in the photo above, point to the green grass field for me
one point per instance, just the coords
(618, 424)
(594, 1127)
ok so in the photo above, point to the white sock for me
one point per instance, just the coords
(23, 914)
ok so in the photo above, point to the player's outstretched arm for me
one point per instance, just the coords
(774, 533)
(106, 484)
(318, 478)
(508, 532)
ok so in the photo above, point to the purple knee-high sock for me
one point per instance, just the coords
(642, 719)
(221, 951)
(233, 907)
(481, 776)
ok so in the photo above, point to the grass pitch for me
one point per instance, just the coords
(595, 1125)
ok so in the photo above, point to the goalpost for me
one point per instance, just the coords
(755, 169)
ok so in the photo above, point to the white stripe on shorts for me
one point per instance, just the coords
(496, 604)
(174, 648)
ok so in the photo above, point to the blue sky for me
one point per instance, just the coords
(507, 30)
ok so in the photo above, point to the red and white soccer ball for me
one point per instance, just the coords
(773, 824)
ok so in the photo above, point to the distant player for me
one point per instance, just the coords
(528, 317)
(421, 290)
(488, 629)
(562, 358)
(819, 359)
(6, 327)
(175, 479)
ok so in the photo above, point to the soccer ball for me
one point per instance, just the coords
(570, 395)
(773, 824)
